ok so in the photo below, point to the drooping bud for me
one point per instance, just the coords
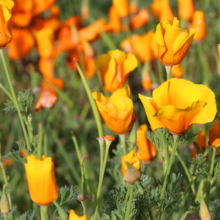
(62, 213)
(132, 174)
(204, 212)
(5, 207)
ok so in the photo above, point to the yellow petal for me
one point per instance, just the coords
(130, 63)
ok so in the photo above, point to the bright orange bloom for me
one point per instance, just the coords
(201, 142)
(147, 151)
(173, 42)
(114, 68)
(177, 71)
(214, 134)
(22, 43)
(145, 78)
(133, 8)
(45, 43)
(154, 46)
(185, 9)
(139, 19)
(7, 162)
(140, 45)
(117, 111)
(129, 175)
(122, 7)
(48, 97)
(22, 13)
(73, 20)
(5, 17)
(161, 10)
(74, 216)
(198, 23)
(41, 180)
(42, 5)
(177, 104)
(219, 57)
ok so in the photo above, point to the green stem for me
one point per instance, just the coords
(122, 138)
(160, 69)
(162, 195)
(168, 70)
(76, 147)
(127, 215)
(15, 99)
(40, 132)
(199, 190)
(7, 92)
(186, 171)
(92, 101)
(43, 212)
(127, 194)
(45, 143)
(166, 159)
(3, 169)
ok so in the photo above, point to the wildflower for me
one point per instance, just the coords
(198, 23)
(173, 42)
(22, 43)
(5, 15)
(117, 111)
(177, 71)
(122, 7)
(185, 9)
(177, 104)
(131, 167)
(114, 69)
(4, 204)
(145, 78)
(200, 141)
(214, 134)
(42, 5)
(74, 216)
(133, 7)
(204, 212)
(147, 151)
(41, 180)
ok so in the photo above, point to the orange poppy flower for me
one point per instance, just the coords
(198, 23)
(177, 104)
(73, 20)
(154, 46)
(42, 5)
(114, 24)
(131, 173)
(114, 68)
(45, 43)
(146, 79)
(214, 134)
(219, 57)
(122, 7)
(7, 162)
(185, 9)
(161, 10)
(177, 71)
(22, 13)
(201, 142)
(74, 216)
(22, 43)
(117, 111)
(41, 180)
(48, 97)
(139, 19)
(147, 151)
(140, 45)
(133, 7)
(173, 42)
(5, 17)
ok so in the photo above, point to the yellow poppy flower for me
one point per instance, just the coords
(114, 68)
(41, 180)
(74, 216)
(178, 104)
(214, 134)
(117, 111)
(173, 42)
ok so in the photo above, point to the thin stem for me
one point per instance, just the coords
(199, 190)
(166, 159)
(127, 215)
(7, 92)
(160, 69)
(15, 99)
(43, 212)
(76, 147)
(186, 171)
(92, 101)
(3, 169)
(122, 138)
(45, 143)
(40, 132)
(162, 195)
(168, 70)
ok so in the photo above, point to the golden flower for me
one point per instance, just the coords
(22, 43)
(117, 111)
(177, 71)
(5, 17)
(114, 68)
(214, 134)
(131, 175)
(45, 43)
(140, 45)
(42, 5)
(74, 216)
(122, 7)
(41, 180)
(177, 104)
(147, 151)
(200, 141)
(198, 23)
(173, 42)
(185, 9)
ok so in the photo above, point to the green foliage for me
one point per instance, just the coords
(16, 156)
(199, 166)
(9, 107)
(186, 137)
(29, 215)
(10, 215)
(214, 207)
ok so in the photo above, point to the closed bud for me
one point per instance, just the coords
(62, 213)
(204, 212)
(132, 174)
(5, 207)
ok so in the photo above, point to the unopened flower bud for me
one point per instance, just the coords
(62, 213)
(204, 212)
(5, 207)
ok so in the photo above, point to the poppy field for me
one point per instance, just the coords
(109, 109)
